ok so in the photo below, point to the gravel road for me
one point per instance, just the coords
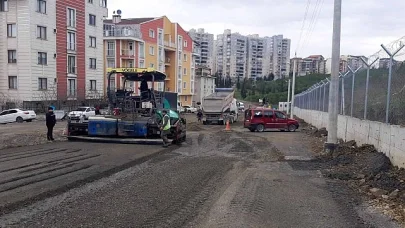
(215, 179)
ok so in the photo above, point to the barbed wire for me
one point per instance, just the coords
(392, 47)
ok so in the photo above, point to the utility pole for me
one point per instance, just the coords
(288, 97)
(331, 143)
(293, 87)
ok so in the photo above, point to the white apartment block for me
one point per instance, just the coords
(206, 43)
(27, 49)
(277, 56)
(231, 54)
(95, 82)
(51, 49)
(255, 56)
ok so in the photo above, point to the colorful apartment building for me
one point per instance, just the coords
(51, 49)
(151, 42)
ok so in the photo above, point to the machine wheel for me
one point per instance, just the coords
(260, 128)
(292, 128)
(19, 119)
(222, 122)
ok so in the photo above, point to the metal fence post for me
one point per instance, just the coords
(324, 93)
(353, 79)
(387, 111)
(343, 92)
(367, 82)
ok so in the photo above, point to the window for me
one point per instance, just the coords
(3, 5)
(93, 85)
(280, 115)
(185, 71)
(71, 87)
(180, 56)
(185, 43)
(152, 65)
(185, 98)
(185, 57)
(42, 83)
(12, 82)
(258, 114)
(142, 64)
(92, 63)
(151, 50)
(92, 19)
(12, 56)
(41, 32)
(141, 50)
(268, 114)
(103, 3)
(110, 63)
(71, 41)
(11, 30)
(71, 18)
(110, 48)
(151, 33)
(92, 41)
(42, 58)
(184, 85)
(41, 6)
(90, 1)
(71, 64)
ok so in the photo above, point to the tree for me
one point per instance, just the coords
(270, 77)
(243, 91)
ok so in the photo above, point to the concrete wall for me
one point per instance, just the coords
(389, 139)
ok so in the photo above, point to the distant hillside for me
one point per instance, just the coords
(277, 90)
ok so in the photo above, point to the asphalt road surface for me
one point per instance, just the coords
(215, 179)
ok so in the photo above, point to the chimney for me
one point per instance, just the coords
(116, 19)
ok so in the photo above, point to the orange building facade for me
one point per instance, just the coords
(151, 42)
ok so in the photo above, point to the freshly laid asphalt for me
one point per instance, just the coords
(215, 179)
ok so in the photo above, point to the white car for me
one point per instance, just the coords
(17, 115)
(189, 109)
(82, 113)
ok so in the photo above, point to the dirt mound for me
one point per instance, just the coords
(369, 172)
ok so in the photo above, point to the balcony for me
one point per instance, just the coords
(196, 51)
(167, 61)
(124, 31)
(127, 53)
(169, 45)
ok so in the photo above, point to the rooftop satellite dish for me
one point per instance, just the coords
(119, 12)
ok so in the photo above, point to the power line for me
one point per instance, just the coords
(303, 24)
(314, 23)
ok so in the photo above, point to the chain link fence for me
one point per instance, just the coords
(373, 89)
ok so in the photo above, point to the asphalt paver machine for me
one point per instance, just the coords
(133, 116)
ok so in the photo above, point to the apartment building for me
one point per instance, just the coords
(255, 53)
(204, 83)
(206, 43)
(384, 63)
(151, 42)
(51, 52)
(231, 54)
(277, 56)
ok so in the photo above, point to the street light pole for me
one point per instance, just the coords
(331, 143)
(288, 97)
(293, 88)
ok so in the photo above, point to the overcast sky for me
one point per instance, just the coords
(366, 23)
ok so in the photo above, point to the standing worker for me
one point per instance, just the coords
(50, 123)
(165, 128)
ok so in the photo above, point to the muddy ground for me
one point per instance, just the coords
(216, 178)
(364, 169)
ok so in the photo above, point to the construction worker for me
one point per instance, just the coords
(165, 128)
(50, 123)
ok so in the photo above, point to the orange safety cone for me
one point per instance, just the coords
(228, 126)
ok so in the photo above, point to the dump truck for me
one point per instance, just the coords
(220, 107)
